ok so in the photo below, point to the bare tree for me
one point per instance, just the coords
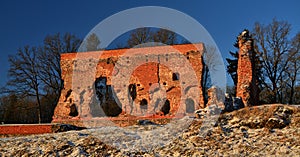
(273, 47)
(293, 69)
(24, 75)
(18, 110)
(49, 56)
(62, 44)
(209, 65)
(139, 36)
(165, 36)
(50, 70)
(151, 36)
(35, 72)
(92, 42)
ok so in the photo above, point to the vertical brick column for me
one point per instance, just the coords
(246, 86)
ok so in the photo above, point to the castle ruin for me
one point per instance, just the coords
(247, 88)
(138, 81)
(144, 82)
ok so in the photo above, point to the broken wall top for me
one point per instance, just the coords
(183, 48)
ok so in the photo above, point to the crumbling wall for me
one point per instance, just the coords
(247, 88)
(153, 88)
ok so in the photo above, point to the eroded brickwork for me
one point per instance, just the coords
(161, 80)
(246, 86)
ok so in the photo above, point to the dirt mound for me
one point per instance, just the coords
(256, 131)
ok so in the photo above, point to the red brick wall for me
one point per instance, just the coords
(85, 67)
(25, 129)
(246, 86)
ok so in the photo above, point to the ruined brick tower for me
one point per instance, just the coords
(247, 87)
(96, 95)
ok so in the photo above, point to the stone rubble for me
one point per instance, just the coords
(251, 131)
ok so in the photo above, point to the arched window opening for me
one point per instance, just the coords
(144, 104)
(73, 111)
(190, 105)
(166, 107)
(105, 104)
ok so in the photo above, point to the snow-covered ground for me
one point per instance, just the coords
(238, 133)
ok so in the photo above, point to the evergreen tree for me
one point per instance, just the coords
(233, 64)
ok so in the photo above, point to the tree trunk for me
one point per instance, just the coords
(39, 107)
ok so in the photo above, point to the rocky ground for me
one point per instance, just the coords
(269, 130)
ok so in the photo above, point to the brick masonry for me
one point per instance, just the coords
(160, 80)
(22, 129)
(246, 87)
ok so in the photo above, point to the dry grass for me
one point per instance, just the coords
(257, 116)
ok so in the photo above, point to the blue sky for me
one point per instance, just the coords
(28, 22)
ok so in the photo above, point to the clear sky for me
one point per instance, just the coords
(28, 22)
